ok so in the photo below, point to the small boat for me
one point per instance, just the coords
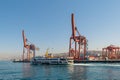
(51, 61)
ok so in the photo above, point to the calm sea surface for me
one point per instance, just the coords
(25, 71)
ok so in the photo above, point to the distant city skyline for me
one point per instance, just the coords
(47, 24)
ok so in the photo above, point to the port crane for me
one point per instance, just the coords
(29, 48)
(111, 52)
(48, 55)
(80, 42)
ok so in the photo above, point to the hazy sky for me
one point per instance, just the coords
(47, 24)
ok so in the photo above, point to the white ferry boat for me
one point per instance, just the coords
(50, 59)
(57, 61)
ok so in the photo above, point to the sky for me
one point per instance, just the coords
(47, 24)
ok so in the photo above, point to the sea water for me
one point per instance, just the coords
(25, 71)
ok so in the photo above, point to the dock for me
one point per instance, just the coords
(96, 61)
(21, 61)
(81, 61)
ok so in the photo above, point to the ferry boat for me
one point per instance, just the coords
(51, 61)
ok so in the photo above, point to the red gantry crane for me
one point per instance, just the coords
(29, 48)
(79, 45)
(111, 52)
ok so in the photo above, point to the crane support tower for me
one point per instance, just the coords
(78, 43)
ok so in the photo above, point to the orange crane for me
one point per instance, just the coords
(80, 42)
(28, 47)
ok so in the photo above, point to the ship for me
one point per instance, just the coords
(51, 60)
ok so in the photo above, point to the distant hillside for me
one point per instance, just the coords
(90, 52)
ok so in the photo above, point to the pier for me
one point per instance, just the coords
(96, 61)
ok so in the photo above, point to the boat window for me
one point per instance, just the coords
(62, 59)
(54, 61)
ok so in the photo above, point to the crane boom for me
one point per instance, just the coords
(73, 26)
(74, 29)
(24, 38)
